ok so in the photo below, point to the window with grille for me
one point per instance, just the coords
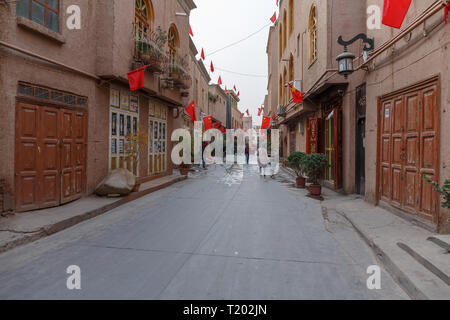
(313, 35)
(44, 12)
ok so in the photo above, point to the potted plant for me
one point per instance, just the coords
(313, 166)
(295, 161)
(444, 191)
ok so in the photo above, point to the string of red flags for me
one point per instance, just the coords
(207, 121)
(394, 12)
(296, 94)
(274, 17)
(136, 78)
(190, 110)
(447, 10)
(190, 31)
(265, 123)
(203, 55)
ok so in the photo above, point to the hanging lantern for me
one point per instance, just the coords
(345, 63)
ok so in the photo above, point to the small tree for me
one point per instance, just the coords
(136, 143)
(314, 165)
(444, 191)
(296, 163)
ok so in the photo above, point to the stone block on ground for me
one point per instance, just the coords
(118, 182)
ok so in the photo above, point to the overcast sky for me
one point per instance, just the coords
(218, 23)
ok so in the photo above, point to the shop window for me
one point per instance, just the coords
(43, 12)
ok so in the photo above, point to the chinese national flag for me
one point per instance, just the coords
(394, 12)
(274, 18)
(203, 55)
(207, 121)
(136, 78)
(190, 110)
(223, 130)
(446, 11)
(220, 81)
(217, 125)
(190, 31)
(296, 94)
(212, 67)
(265, 123)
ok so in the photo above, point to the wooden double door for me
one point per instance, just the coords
(409, 149)
(50, 156)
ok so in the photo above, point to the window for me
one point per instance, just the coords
(280, 93)
(143, 18)
(173, 42)
(291, 16)
(284, 30)
(284, 86)
(280, 40)
(312, 29)
(44, 12)
(291, 73)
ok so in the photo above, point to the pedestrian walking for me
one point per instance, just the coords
(263, 161)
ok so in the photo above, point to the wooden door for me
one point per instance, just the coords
(50, 156)
(27, 175)
(409, 149)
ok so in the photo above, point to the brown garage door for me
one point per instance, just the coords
(50, 157)
(409, 149)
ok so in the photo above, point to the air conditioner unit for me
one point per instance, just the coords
(297, 84)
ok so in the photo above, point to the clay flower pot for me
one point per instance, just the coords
(301, 182)
(315, 190)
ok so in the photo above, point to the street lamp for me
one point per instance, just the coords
(345, 59)
(345, 63)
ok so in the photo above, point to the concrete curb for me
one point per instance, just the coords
(402, 280)
(70, 222)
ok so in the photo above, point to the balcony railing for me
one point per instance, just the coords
(178, 72)
(148, 52)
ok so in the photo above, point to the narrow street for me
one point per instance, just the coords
(225, 233)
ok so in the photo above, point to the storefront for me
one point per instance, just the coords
(157, 136)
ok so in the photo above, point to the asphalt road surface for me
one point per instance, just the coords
(225, 233)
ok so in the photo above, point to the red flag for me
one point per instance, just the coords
(220, 81)
(217, 125)
(234, 88)
(274, 116)
(222, 129)
(394, 12)
(226, 91)
(190, 110)
(447, 10)
(296, 94)
(239, 93)
(248, 113)
(212, 67)
(242, 115)
(265, 123)
(203, 55)
(207, 121)
(190, 31)
(260, 111)
(274, 17)
(136, 78)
